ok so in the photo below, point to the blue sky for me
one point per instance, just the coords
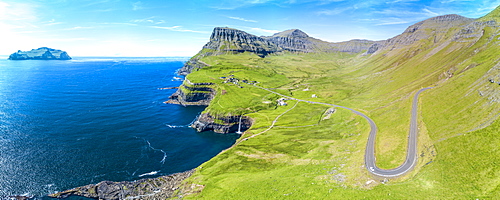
(181, 28)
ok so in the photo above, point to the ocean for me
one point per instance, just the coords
(65, 124)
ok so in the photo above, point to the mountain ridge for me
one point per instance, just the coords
(224, 40)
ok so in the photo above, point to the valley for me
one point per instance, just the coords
(298, 153)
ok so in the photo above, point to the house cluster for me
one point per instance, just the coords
(282, 102)
(236, 81)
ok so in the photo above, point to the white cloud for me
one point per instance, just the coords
(320, 2)
(430, 13)
(400, 1)
(127, 24)
(94, 3)
(265, 30)
(148, 20)
(76, 28)
(257, 31)
(52, 23)
(454, 1)
(392, 21)
(407, 14)
(242, 19)
(334, 11)
(234, 4)
(137, 5)
(179, 29)
(16, 20)
(18, 12)
(68, 39)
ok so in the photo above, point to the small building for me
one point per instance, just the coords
(282, 102)
(314, 96)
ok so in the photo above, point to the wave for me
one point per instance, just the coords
(149, 173)
(164, 153)
(177, 79)
(176, 126)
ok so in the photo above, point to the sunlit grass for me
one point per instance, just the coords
(306, 156)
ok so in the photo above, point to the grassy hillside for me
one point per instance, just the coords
(310, 152)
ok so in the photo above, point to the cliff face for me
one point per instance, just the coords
(232, 41)
(201, 94)
(192, 94)
(226, 124)
(293, 40)
(228, 40)
(42, 53)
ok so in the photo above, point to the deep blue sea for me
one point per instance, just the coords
(65, 124)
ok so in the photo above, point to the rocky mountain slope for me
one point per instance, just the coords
(232, 41)
(43, 53)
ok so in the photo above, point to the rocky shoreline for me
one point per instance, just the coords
(162, 187)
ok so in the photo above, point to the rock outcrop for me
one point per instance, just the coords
(224, 124)
(42, 53)
(151, 188)
(228, 40)
(189, 93)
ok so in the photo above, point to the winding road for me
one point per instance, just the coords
(411, 154)
(411, 151)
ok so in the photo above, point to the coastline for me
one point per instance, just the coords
(148, 188)
(187, 94)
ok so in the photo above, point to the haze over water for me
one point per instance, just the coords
(65, 124)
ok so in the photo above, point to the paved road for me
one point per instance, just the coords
(411, 152)
(411, 156)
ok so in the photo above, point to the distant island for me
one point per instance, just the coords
(42, 53)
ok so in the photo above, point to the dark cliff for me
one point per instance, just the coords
(201, 94)
(228, 40)
(193, 94)
(42, 53)
(223, 124)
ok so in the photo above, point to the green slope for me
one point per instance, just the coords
(312, 154)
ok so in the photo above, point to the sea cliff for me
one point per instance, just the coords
(222, 124)
(201, 94)
(189, 94)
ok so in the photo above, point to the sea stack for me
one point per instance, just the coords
(42, 53)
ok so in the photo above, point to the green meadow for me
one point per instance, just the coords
(309, 153)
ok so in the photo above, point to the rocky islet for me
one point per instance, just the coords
(42, 53)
